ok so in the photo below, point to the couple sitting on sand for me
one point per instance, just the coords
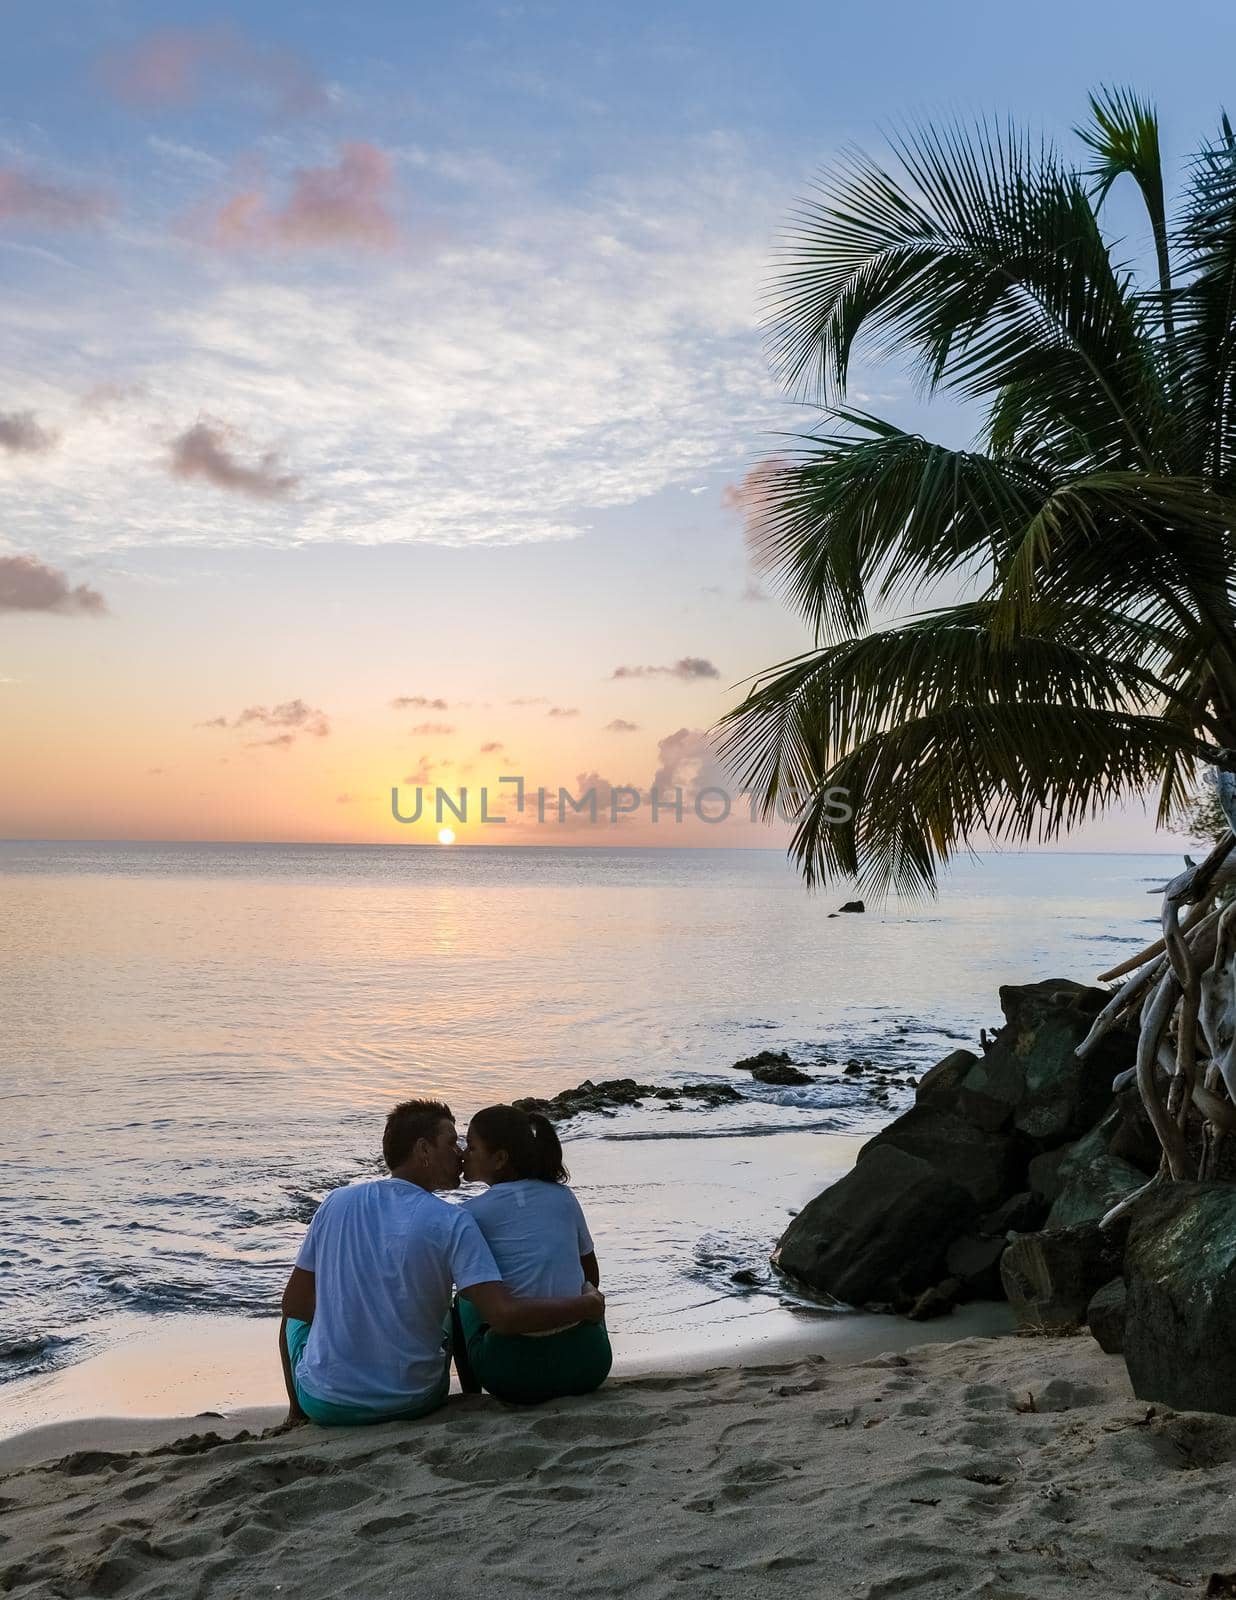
(368, 1327)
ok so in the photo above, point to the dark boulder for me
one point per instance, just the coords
(852, 905)
(937, 1301)
(940, 1085)
(1020, 1213)
(773, 1066)
(1031, 1079)
(1105, 1316)
(1180, 1269)
(1091, 1187)
(880, 1233)
(974, 1260)
(1050, 1278)
(986, 1164)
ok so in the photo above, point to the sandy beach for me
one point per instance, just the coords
(1008, 1468)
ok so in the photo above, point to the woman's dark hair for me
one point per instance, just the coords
(529, 1139)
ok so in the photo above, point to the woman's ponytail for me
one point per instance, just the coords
(548, 1149)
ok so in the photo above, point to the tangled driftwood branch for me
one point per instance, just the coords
(1181, 992)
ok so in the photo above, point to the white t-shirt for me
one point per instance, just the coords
(384, 1255)
(537, 1233)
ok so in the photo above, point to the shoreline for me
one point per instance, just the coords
(135, 1375)
(982, 1467)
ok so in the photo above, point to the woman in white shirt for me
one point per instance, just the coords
(535, 1228)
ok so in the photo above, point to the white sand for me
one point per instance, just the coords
(1013, 1469)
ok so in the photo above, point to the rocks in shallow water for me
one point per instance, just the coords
(1050, 1278)
(1180, 1270)
(985, 1164)
(852, 905)
(773, 1067)
(880, 1233)
(612, 1092)
(1106, 1316)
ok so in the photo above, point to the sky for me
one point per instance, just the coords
(375, 382)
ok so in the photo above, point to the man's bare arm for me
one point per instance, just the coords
(508, 1313)
(590, 1269)
(299, 1302)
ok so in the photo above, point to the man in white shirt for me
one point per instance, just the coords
(363, 1336)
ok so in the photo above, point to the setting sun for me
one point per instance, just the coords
(446, 836)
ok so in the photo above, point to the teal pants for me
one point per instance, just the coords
(331, 1415)
(527, 1370)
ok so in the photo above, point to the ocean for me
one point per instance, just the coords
(200, 1040)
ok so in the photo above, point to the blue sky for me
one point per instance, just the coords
(411, 349)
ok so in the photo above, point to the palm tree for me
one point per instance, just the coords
(1090, 530)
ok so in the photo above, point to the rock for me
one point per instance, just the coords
(880, 1233)
(854, 1066)
(937, 1301)
(772, 1066)
(1105, 1315)
(986, 1164)
(589, 1096)
(1020, 1213)
(1180, 1271)
(852, 905)
(1091, 1188)
(1044, 1175)
(747, 1276)
(1030, 1078)
(1050, 1278)
(974, 1259)
(939, 1085)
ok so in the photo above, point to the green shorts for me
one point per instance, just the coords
(528, 1370)
(331, 1415)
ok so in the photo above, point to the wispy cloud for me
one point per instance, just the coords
(176, 67)
(33, 201)
(421, 701)
(563, 711)
(20, 434)
(289, 718)
(688, 669)
(28, 584)
(621, 725)
(492, 747)
(347, 204)
(430, 728)
(203, 451)
(377, 376)
(529, 700)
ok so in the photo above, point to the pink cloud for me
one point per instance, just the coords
(21, 434)
(432, 728)
(404, 701)
(178, 66)
(279, 741)
(491, 748)
(202, 451)
(563, 711)
(752, 498)
(347, 204)
(621, 725)
(27, 584)
(25, 199)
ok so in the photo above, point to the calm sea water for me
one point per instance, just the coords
(199, 1040)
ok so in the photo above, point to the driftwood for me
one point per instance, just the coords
(1181, 993)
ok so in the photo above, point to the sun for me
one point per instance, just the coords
(446, 836)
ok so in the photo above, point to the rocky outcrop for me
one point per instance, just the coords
(1034, 1139)
(879, 1234)
(988, 1165)
(1050, 1277)
(773, 1067)
(611, 1093)
(1180, 1274)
